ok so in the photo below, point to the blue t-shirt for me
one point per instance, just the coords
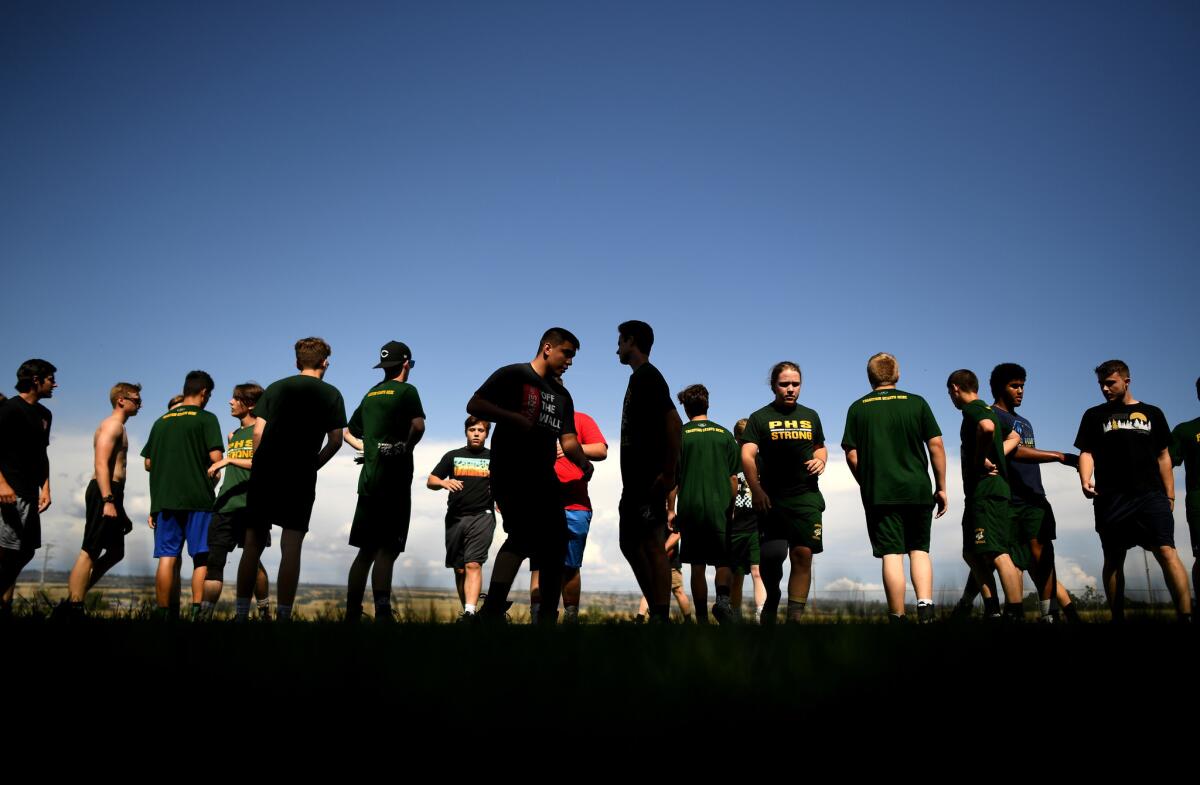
(1024, 477)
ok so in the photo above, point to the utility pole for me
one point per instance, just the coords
(47, 548)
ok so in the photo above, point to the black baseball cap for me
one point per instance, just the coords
(394, 353)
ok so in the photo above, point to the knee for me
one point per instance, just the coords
(473, 567)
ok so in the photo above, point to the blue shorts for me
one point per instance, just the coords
(578, 523)
(172, 527)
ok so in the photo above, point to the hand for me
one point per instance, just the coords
(215, 469)
(44, 500)
(1089, 489)
(815, 466)
(558, 446)
(671, 516)
(110, 510)
(452, 485)
(7, 494)
(150, 520)
(989, 468)
(1070, 459)
(128, 527)
(759, 499)
(1172, 503)
(942, 501)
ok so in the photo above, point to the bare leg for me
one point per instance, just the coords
(472, 583)
(893, 582)
(921, 569)
(535, 589)
(262, 584)
(165, 578)
(1041, 571)
(572, 587)
(11, 564)
(504, 572)
(1113, 574)
(735, 589)
(199, 572)
(681, 597)
(700, 592)
(249, 566)
(1176, 578)
(290, 544)
(760, 591)
(1010, 578)
(801, 576)
(381, 576)
(81, 573)
(356, 583)
(460, 577)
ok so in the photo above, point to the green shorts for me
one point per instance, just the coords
(987, 525)
(702, 540)
(797, 520)
(743, 551)
(899, 528)
(1033, 519)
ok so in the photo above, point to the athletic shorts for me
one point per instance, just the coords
(987, 525)
(228, 531)
(174, 527)
(1124, 520)
(381, 522)
(1033, 518)
(469, 538)
(104, 534)
(642, 514)
(899, 528)
(797, 520)
(533, 520)
(287, 508)
(703, 540)
(579, 522)
(20, 525)
(744, 551)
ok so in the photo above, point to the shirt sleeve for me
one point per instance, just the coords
(445, 466)
(1176, 447)
(818, 431)
(751, 435)
(1085, 440)
(355, 426)
(1160, 429)
(848, 442)
(568, 413)
(337, 413)
(587, 430)
(212, 433)
(929, 426)
(265, 407)
(497, 388)
(146, 448)
(735, 457)
(415, 403)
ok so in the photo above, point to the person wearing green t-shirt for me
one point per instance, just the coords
(298, 426)
(700, 504)
(888, 432)
(183, 444)
(988, 536)
(385, 427)
(782, 457)
(1185, 451)
(229, 522)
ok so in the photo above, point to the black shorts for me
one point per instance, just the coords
(469, 538)
(381, 522)
(104, 534)
(289, 508)
(534, 520)
(642, 515)
(1125, 520)
(227, 531)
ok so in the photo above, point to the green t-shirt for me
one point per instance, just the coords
(974, 482)
(1185, 450)
(708, 458)
(385, 417)
(890, 429)
(232, 496)
(786, 440)
(178, 449)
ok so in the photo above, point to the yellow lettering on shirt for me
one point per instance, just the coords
(373, 393)
(169, 415)
(885, 398)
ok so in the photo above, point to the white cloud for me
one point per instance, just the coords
(849, 585)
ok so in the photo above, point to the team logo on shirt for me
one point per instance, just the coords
(241, 448)
(541, 408)
(817, 532)
(785, 430)
(980, 536)
(471, 467)
(1134, 422)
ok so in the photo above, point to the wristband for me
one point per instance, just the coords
(109, 499)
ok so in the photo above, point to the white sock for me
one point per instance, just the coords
(468, 608)
(1044, 606)
(924, 602)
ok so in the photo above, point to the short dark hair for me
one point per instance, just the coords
(964, 380)
(196, 383)
(557, 336)
(248, 393)
(311, 353)
(1002, 374)
(694, 398)
(739, 428)
(175, 401)
(33, 369)
(641, 333)
(1109, 367)
(472, 420)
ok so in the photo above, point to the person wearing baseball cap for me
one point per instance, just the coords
(386, 427)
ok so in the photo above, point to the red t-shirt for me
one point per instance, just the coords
(570, 476)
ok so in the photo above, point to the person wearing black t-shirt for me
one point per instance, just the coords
(24, 473)
(470, 519)
(1126, 443)
(533, 414)
(651, 434)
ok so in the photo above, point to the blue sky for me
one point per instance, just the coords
(196, 186)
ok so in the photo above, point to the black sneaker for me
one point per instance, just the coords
(722, 613)
(926, 614)
(466, 618)
(894, 619)
(639, 619)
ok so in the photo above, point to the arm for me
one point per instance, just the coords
(107, 439)
(146, 463)
(1167, 470)
(672, 541)
(817, 464)
(750, 468)
(1033, 455)
(486, 410)
(44, 496)
(852, 462)
(983, 439)
(672, 495)
(435, 483)
(333, 443)
(674, 428)
(415, 431)
(1086, 465)
(937, 457)
(7, 494)
(732, 487)
(597, 451)
(352, 440)
(1011, 442)
(260, 425)
(574, 451)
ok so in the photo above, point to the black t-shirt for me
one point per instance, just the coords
(1125, 439)
(300, 410)
(524, 458)
(24, 436)
(644, 430)
(473, 469)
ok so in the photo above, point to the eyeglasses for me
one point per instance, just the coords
(134, 401)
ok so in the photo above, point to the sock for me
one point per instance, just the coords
(469, 609)
(206, 610)
(795, 609)
(1072, 613)
(284, 612)
(1044, 607)
(241, 609)
(991, 606)
(924, 602)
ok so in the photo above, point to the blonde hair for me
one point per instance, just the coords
(882, 368)
(122, 390)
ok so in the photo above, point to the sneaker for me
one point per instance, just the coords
(894, 619)
(722, 612)
(387, 616)
(926, 614)
(570, 614)
(466, 618)
(639, 619)
(1049, 618)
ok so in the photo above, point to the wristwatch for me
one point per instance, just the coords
(109, 499)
